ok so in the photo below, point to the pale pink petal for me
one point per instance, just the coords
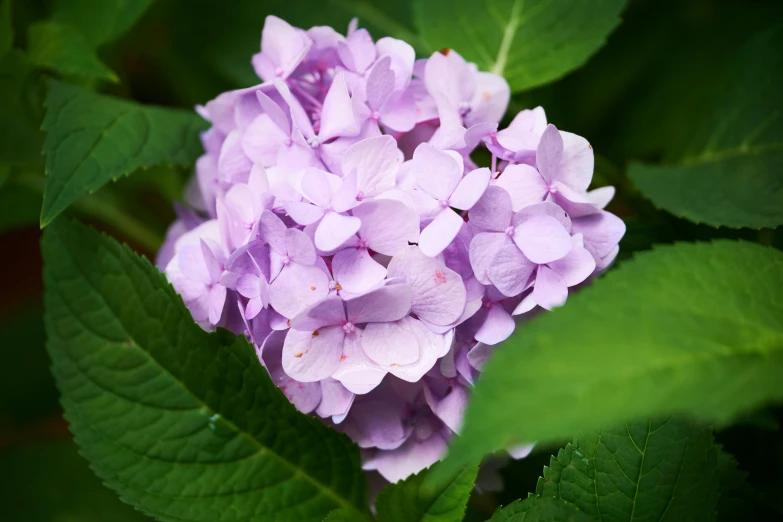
(273, 229)
(492, 212)
(380, 83)
(440, 232)
(478, 355)
(518, 139)
(525, 185)
(549, 153)
(451, 408)
(362, 49)
(403, 57)
(274, 113)
(310, 356)
(356, 271)
(299, 247)
(520, 451)
(525, 305)
(262, 140)
(254, 306)
(337, 115)
(336, 399)
(497, 327)
(356, 371)
(233, 164)
(297, 287)
(542, 239)
(249, 286)
(601, 196)
(510, 270)
(432, 346)
(410, 458)
(470, 189)
(550, 290)
(347, 196)
(436, 172)
(284, 44)
(375, 161)
(483, 248)
(574, 267)
(546, 208)
(489, 100)
(576, 204)
(398, 112)
(576, 167)
(387, 225)
(217, 299)
(387, 303)
(601, 231)
(334, 230)
(438, 293)
(303, 213)
(214, 270)
(389, 345)
(328, 312)
(316, 187)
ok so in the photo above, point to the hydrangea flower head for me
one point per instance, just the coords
(338, 220)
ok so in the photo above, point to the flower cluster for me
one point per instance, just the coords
(338, 220)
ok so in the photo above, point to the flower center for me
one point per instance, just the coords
(376, 115)
(363, 243)
(509, 230)
(314, 142)
(286, 260)
(349, 328)
(279, 72)
(444, 203)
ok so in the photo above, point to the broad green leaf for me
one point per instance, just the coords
(93, 139)
(529, 43)
(694, 328)
(63, 49)
(6, 27)
(663, 469)
(50, 482)
(100, 22)
(537, 509)
(185, 425)
(405, 501)
(733, 173)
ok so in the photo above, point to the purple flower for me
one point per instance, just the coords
(440, 186)
(339, 222)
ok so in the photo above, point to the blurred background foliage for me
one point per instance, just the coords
(639, 98)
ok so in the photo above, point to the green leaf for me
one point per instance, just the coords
(183, 424)
(63, 49)
(405, 501)
(345, 515)
(663, 469)
(6, 27)
(530, 43)
(536, 509)
(52, 483)
(92, 139)
(694, 328)
(733, 173)
(100, 22)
